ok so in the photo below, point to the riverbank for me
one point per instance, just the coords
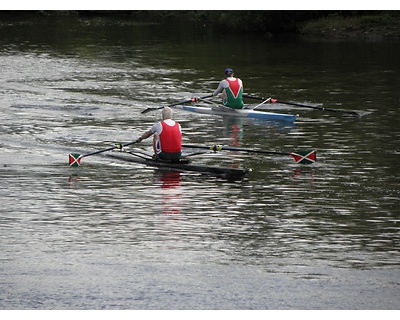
(382, 25)
(335, 24)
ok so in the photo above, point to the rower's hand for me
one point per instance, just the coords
(272, 100)
(195, 99)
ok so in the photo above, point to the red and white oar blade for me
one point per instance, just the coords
(305, 157)
(75, 159)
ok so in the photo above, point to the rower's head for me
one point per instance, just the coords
(166, 113)
(228, 72)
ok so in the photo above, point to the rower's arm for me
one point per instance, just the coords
(145, 135)
(219, 89)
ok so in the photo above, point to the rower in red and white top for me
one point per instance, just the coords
(167, 140)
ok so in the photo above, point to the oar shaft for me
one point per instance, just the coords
(176, 104)
(283, 102)
(118, 146)
(303, 105)
(253, 97)
(75, 158)
(99, 151)
(302, 157)
(315, 107)
(220, 148)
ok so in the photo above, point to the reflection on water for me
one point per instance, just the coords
(234, 129)
(114, 235)
(171, 192)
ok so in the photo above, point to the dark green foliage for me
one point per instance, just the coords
(255, 21)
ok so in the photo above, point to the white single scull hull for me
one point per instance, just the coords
(241, 113)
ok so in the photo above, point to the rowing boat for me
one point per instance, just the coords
(181, 165)
(302, 157)
(221, 110)
(241, 113)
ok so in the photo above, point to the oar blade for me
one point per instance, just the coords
(75, 159)
(305, 157)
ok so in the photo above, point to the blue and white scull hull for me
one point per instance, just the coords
(241, 113)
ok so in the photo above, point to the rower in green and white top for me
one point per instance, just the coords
(232, 90)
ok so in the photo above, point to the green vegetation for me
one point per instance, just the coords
(332, 23)
(375, 24)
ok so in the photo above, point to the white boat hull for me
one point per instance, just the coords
(241, 113)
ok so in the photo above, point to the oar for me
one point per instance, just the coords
(354, 113)
(75, 158)
(303, 157)
(177, 104)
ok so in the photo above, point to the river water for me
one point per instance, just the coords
(115, 235)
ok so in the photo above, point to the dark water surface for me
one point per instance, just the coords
(112, 235)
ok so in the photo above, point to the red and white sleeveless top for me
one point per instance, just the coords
(171, 137)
